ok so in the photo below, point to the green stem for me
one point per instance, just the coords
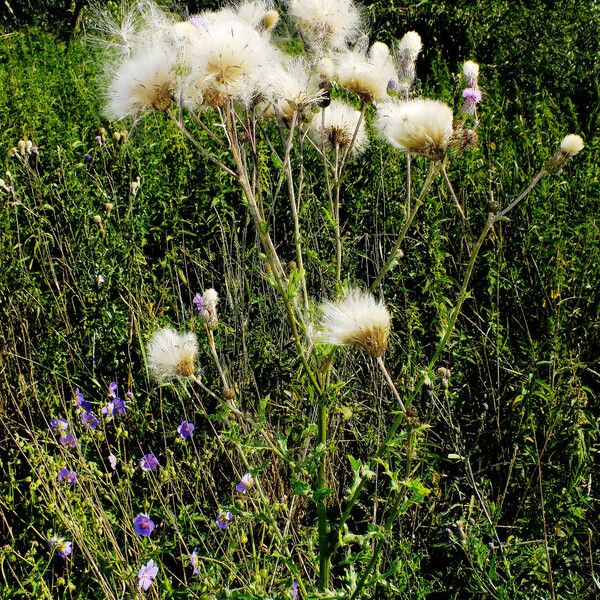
(391, 261)
(324, 554)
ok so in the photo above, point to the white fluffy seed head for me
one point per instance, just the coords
(172, 354)
(572, 144)
(410, 45)
(471, 72)
(326, 24)
(339, 127)
(231, 58)
(406, 58)
(358, 320)
(367, 75)
(418, 126)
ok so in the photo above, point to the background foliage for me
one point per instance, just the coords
(523, 391)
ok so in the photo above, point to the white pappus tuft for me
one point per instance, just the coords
(172, 354)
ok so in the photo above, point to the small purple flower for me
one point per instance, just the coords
(87, 156)
(90, 420)
(129, 395)
(119, 406)
(112, 389)
(294, 590)
(472, 94)
(98, 138)
(34, 150)
(62, 547)
(223, 520)
(112, 459)
(245, 483)
(198, 302)
(108, 410)
(143, 525)
(149, 462)
(59, 425)
(147, 574)
(70, 477)
(68, 440)
(186, 429)
(194, 562)
(81, 401)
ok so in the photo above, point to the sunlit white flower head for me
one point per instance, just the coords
(172, 354)
(326, 24)
(339, 127)
(230, 58)
(290, 87)
(358, 320)
(406, 57)
(418, 126)
(572, 144)
(471, 73)
(367, 75)
(143, 82)
(259, 14)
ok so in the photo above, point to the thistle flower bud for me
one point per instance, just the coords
(108, 207)
(117, 136)
(21, 146)
(572, 144)
(28, 146)
(98, 220)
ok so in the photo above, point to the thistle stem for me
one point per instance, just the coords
(324, 554)
(391, 261)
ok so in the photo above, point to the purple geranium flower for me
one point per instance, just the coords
(59, 425)
(129, 395)
(245, 483)
(223, 520)
(112, 389)
(186, 429)
(108, 410)
(119, 406)
(112, 459)
(90, 420)
(143, 525)
(194, 562)
(87, 156)
(68, 440)
(149, 462)
(81, 401)
(70, 477)
(62, 547)
(198, 302)
(147, 574)
(294, 590)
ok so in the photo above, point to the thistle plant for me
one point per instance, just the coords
(275, 124)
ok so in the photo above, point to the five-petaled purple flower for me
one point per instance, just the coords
(147, 574)
(112, 389)
(81, 401)
(89, 419)
(59, 425)
(223, 520)
(68, 440)
(149, 462)
(245, 483)
(143, 525)
(119, 406)
(108, 410)
(194, 562)
(70, 477)
(294, 590)
(62, 547)
(186, 429)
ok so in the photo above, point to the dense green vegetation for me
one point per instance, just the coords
(505, 493)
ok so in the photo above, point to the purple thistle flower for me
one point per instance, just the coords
(112, 389)
(198, 302)
(62, 547)
(90, 420)
(294, 590)
(70, 477)
(472, 94)
(68, 440)
(59, 425)
(34, 150)
(147, 574)
(108, 410)
(81, 401)
(143, 525)
(245, 483)
(149, 462)
(194, 562)
(186, 429)
(87, 156)
(223, 520)
(112, 459)
(98, 138)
